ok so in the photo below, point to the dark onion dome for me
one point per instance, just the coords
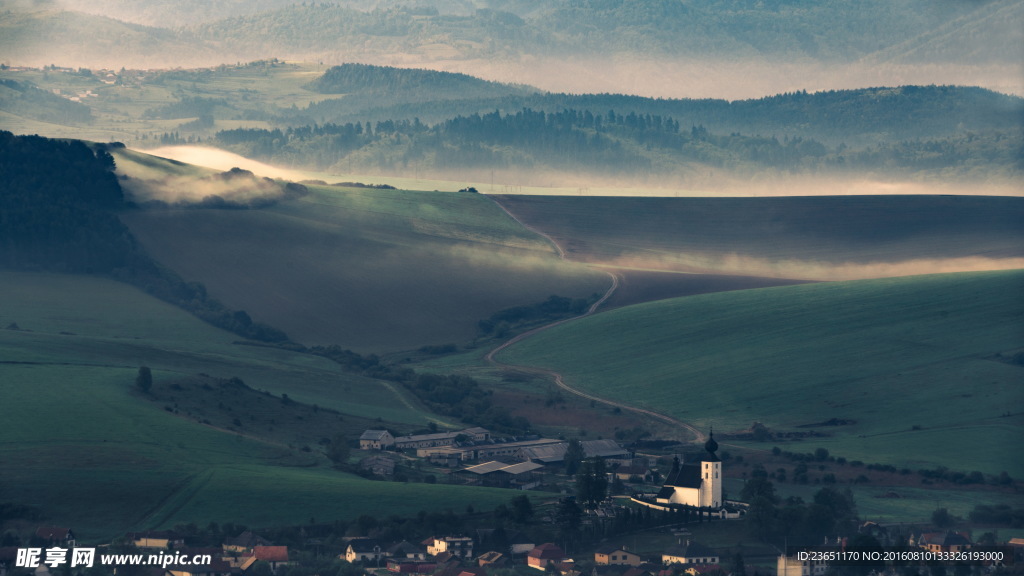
(711, 446)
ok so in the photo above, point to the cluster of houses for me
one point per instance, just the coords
(233, 558)
(454, 556)
(457, 555)
(937, 542)
(479, 458)
(475, 444)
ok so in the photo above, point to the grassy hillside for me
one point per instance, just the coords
(823, 238)
(80, 443)
(368, 269)
(922, 367)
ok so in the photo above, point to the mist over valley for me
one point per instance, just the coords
(240, 240)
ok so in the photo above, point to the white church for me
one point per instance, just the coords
(697, 484)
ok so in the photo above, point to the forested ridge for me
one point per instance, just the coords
(612, 142)
(853, 117)
(59, 208)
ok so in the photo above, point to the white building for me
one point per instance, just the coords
(697, 484)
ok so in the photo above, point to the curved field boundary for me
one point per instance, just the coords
(557, 377)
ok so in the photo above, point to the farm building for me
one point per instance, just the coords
(553, 453)
(499, 474)
(376, 440)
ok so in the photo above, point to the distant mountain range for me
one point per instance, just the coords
(594, 33)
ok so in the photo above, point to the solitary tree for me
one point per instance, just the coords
(144, 379)
(339, 450)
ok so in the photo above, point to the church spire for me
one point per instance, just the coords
(711, 446)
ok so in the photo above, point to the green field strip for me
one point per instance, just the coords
(885, 354)
(176, 501)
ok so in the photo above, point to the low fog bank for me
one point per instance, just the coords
(697, 182)
(811, 270)
(235, 187)
(221, 160)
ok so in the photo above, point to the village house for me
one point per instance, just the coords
(274, 556)
(942, 541)
(244, 542)
(689, 553)
(607, 555)
(460, 546)
(363, 550)
(547, 554)
(376, 440)
(56, 535)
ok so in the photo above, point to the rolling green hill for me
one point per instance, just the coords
(367, 269)
(87, 449)
(924, 370)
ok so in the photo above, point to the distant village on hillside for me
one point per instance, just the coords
(691, 493)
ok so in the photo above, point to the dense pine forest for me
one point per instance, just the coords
(612, 143)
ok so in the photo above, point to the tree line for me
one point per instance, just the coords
(610, 143)
(59, 211)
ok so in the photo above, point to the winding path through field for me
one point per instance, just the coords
(557, 377)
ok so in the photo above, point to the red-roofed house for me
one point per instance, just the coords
(945, 541)
(275, 556)
(245, 542)
(545, 554)
(53, 535)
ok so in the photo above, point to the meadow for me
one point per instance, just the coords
(922, 368)
(367, 269)
(88, 449)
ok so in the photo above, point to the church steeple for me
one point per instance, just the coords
(711, 446)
